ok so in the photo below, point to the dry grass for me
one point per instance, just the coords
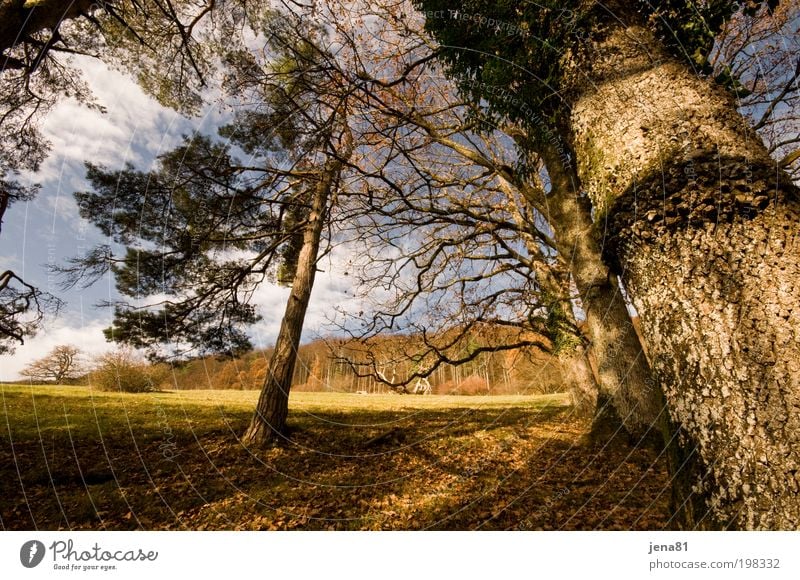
(77, 459)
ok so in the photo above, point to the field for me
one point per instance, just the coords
(72, 458)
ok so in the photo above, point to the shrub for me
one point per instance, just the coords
(123, 371)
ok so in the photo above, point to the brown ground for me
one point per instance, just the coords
(176, 464)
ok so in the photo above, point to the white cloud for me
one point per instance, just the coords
(333, 292)
(89, 339)
(270, 300)
(10, 261)
(134, 128)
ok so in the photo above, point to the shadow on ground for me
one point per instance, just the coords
(460, 468)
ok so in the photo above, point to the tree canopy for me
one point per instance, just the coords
(516, 57)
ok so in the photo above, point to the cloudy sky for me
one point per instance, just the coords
(48, 230)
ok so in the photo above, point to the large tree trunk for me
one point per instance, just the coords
(704, 231)
(628, 396)
(269, 422)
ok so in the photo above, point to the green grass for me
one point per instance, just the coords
(31, 409)
(44, 412)
(74, 458)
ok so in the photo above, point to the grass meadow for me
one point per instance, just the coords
(75, 458)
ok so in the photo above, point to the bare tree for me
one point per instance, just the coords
(759, 54)
(22, 309)
(416, 101)
(63, 362)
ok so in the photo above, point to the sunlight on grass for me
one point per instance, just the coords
(32, 410)
(74, 458)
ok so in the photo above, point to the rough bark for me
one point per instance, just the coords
(628, 395)
(704, 231)
(585, 395)
(269, 422)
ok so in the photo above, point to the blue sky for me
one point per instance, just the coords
(49, 229)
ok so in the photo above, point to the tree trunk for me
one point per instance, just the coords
(704, 231)
(269, 422)
(5, 201)
(20, 18)
(628, 395)
(584, 386)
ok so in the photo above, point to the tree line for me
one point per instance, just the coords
(324, 365)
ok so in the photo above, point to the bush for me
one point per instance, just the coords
(122, 371)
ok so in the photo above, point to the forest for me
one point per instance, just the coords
(584, 215)
(332, 365)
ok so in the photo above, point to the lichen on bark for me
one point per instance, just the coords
(706, 236)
